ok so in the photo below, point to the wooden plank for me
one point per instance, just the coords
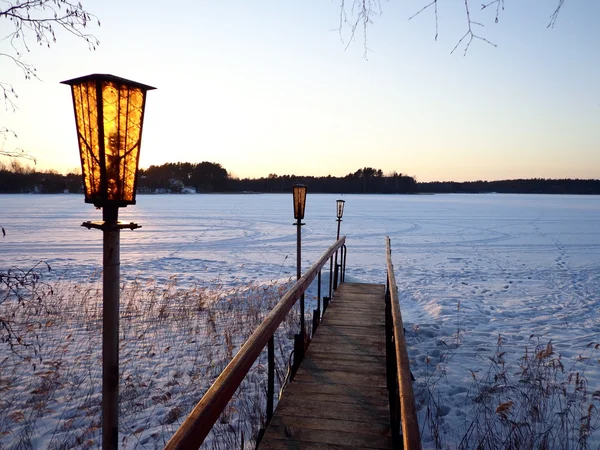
(352, 321)
(334, 353)
(374, 429)
(328, 347)
(338, 398)
(341, 330)
(329, 437)
(277, 444)
(333, 363)
(359, 301)
(350, 396)
(338, 390)
(311, 407)
(350, 344)
(369, 319)
(334, 377)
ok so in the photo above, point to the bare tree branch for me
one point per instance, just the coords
(434, 3)
(362, 11)
(555, 14)
(36, 21)
(469, 34)
(360, 14)
(5, 134)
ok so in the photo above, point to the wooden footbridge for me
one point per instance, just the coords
(350, 385)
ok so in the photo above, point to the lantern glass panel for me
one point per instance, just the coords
(86, 117)
(340, 208)
(123, 111)
(299, 191)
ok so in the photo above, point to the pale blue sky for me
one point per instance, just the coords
(267, 87)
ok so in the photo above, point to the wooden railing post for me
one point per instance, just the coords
(402, 400)
(392, 373)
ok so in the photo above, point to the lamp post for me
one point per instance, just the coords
(340, 212)
(109, 114)
(299, 194)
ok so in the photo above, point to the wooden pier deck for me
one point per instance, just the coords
(338, 398)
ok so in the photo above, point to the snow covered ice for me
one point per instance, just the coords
(469, 268)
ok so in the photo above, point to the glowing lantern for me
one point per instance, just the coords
(109, 113)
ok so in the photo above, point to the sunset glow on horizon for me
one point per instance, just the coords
(268, 87)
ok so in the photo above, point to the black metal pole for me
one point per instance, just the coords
(319, 294)
(343, 262)
(335, 267)
(110, 329)
(270, 378)
(299, 271)
(330, 276)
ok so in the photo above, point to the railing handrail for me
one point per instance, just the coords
(408, 415)
(199, 422)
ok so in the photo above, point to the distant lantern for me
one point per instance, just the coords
(299, 200)
(340, 208)
(109, 113)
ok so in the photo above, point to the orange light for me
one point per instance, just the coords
(109, 114)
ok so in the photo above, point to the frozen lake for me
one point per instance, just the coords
(208, 236)
(468, 267)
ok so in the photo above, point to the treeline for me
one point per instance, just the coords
(16, 178)
(208, 177)
(519, 186)
(174, 177)
(364, 181)
(211, 177)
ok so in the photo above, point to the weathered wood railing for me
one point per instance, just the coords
(197, 425)
(403, 412)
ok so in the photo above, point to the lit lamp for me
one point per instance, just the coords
(299, 192)
(340, 212)
(109, 113)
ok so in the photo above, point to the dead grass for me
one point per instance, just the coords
(174, 341)
(527, 398)
(534, 402)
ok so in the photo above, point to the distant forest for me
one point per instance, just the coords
(207, 177)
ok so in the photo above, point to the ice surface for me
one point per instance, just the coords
(469, 268)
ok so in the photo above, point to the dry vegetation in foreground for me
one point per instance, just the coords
(532, 399)
(174, 342)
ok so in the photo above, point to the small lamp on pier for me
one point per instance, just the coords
(340, 213)
(299, 194)
(299, 191)
(109, 114)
